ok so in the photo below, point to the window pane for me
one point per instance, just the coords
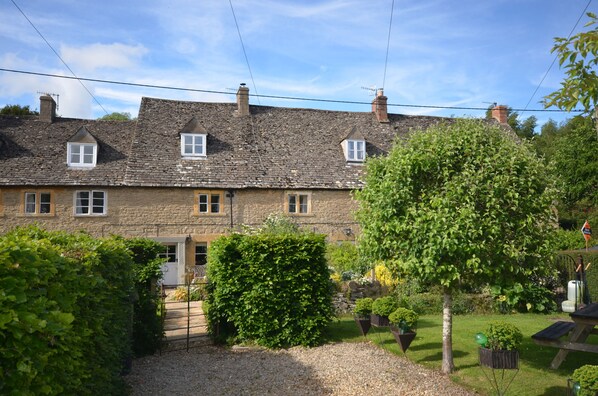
(292, 204)
(215, 204)
(88, 154)
(360, 150)
(169, 253)
(201, 254)
(198, 146)
(351, 150)
(188, 144)
(203, 203)
(98, 202)
(45, 202)
(75, 154)
(29, 202)
(302, 203)
(82, 202)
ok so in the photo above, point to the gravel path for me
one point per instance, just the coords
(333, 369)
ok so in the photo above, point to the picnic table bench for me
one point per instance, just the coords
(582, 325)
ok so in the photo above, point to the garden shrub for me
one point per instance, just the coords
(587, 377)
(524, 298)
(271, 289)
(65, 313)
(344, 258)
(384, 306)
(385, 277)
(195, 292)
(148, 327)
(503, 336)
(363, 306)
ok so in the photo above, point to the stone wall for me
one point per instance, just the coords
(344, 300)
(167, 214)
(169, 211)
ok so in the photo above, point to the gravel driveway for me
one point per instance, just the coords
(333, 369)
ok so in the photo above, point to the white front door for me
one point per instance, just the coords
(170, 268)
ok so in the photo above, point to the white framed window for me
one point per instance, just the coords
(356, 150)
(208, 202)
(298, 203)
(82, 154)
(38, 203)
(90, 203)
(193, 145)
(169, 253)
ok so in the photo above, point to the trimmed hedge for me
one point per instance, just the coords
(273, 290)
(148, 326)
(65, 313)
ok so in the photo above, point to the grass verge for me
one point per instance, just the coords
(534, 377)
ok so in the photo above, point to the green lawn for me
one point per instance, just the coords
(534, 377)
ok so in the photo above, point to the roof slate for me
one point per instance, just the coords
(273, 147)
(34, 153)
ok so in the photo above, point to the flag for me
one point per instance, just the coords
(586, 230)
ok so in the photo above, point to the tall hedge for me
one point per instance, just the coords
(65, 313)
(273, 290)
(148, 327)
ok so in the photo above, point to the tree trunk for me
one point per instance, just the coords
(447, 333)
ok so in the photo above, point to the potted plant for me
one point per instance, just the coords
(403, 322)
(585, 380)
(381, 308)
(498, 346)
(362, 312)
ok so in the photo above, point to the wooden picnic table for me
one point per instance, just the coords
(583, 322)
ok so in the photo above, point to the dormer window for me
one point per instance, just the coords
(353, 145)
(82, 150)
(193, 145)
(194, 140)
(82, 154)
(355, 150)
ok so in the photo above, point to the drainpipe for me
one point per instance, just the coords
(230, 194)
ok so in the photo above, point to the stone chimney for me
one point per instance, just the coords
(379, 106)
(499, 113)
(47, 109)
(242, 101)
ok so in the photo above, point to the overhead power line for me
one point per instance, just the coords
(59, 57)
(243, 46)
(392, 7)
(268, 96)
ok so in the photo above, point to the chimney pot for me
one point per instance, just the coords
(379, 106)
(499, 113)
(47, 109)
(242, 101)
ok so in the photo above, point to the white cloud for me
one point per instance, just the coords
(96, 56)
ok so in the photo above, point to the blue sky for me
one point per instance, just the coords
(442, 53)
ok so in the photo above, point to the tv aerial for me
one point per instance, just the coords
(373, 90)
(57, 96)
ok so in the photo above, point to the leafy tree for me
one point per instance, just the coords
(116, 117)
(458, 204)
(577, 165)
(544, 142)
(17, 110)
(579, 55)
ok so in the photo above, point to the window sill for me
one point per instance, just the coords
(301, 214)
(36, 215)
(209, 214)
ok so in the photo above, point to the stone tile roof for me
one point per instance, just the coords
(34, 153)
(272, 148)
